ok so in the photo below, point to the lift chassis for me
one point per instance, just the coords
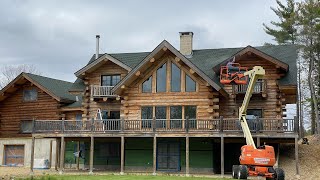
(254, 161)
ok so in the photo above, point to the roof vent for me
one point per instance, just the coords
(186, 39)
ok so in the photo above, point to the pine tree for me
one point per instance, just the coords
(285, 32)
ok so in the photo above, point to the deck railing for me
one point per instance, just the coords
(101, 91)
(165, 125)
(260, 87)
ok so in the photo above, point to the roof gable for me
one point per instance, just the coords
(250, 49)
(55, 88)
(98, 62)
(157, 52)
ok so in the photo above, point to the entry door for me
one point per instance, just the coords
(168, 156)
(14, 155)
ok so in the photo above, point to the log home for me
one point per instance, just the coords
(162, 111)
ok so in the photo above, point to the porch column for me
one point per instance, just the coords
(187, 155)
(32, 155)
(154, 155)
(258, 141)
(62, 151)
(91, 155)
(57, 154)
(222, 156)
(122, 155)
(78, 150)
(296, 155)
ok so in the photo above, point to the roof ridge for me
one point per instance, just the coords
(47, 77)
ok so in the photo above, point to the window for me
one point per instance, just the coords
(162, 78)
(175, 78)
(191, 113)
(146, 116)
(104, 114)
(255, 112)
(161, 116)
(176, 116)
(190, 84)
(147, 85)
(110, 80)
(26, 126)
(13, 155)
(30, 94)
(252, 114)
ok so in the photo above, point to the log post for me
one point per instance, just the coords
(296, 154)
(58, 145)
(154, 155)
(258, 141)
(187, 156)
(78, 158)
(296, 125)
(62, 151)
(32, 156)
(91, 155)
(122, 156)
(222, 156)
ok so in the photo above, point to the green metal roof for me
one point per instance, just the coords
(57, 87)
(206, 59)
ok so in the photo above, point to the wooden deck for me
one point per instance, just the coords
(284, 128)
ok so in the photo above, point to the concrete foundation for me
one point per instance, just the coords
(44, 149)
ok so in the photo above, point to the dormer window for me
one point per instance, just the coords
(110, 80)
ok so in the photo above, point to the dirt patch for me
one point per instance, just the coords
(13, 172)
(309, 160)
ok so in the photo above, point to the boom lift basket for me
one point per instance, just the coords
(233, 73)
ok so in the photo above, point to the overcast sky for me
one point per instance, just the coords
(58, 37)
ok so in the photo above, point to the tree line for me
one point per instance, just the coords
(299, 24)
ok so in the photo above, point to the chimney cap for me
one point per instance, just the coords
(97, 36)
(186, 33)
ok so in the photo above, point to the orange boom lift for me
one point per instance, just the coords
(253, 161)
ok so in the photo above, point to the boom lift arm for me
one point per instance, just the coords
(256, 73)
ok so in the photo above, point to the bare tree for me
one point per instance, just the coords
(9, 72)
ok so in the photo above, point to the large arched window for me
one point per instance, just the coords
(175, 78)
(162, 78)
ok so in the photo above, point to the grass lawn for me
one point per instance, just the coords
(124, 177)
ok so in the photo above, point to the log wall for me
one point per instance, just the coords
(13, 109)
(91, 105)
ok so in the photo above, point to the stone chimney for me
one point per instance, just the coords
(186, 39)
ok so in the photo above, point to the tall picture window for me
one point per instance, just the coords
(30, 95)
(161, 116)
(162, 78)
(110, 80)
(190, 84)
(147, 85)
(175, 78)
(146, 116)
(176, 117)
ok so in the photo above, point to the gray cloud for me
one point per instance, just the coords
(58, 37)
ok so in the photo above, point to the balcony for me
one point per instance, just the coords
(259, 88)
(144, 126)
(102, 91)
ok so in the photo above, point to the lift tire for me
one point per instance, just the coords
(279, 174)
(235, 169)
(243, 172)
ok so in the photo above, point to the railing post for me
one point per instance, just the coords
(295, 124)
(258, 127)
(122, 124)
(154, 124)
(62, 125)
(33, 126)
(221, 124)
(187, 124)
(92, 124)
